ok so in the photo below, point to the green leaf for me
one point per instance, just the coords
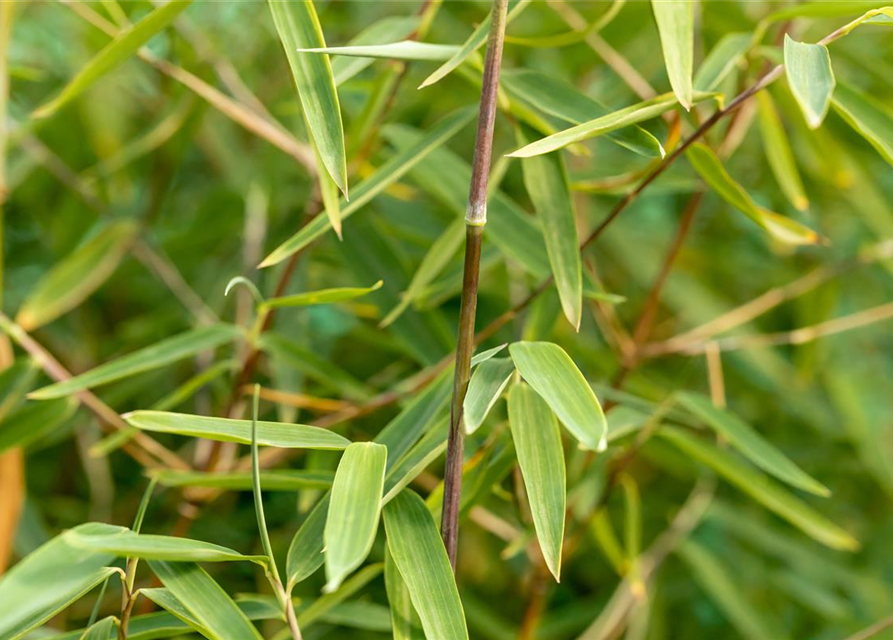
(808, 68)
(298, 28)
(488, 381)
(305, 553)
(723, 57)
(825, 9)
(323, 605)
(100, 630)
(323, 296)
(76, 276)
(676, 25)
(34, 421)
(271, 434)
(720, 586)
(869, 117)
(48, 580)
(155, 547)
(206, 602)
(750, 443)
(715, 175)
(762, 489)
(272, 480)
(561, 99)
(403, 50)
(399, 600)
(603, 125)
(387, 174)
(156, 356)
(390, 29)
(545, 179)
(541, 458)
(354, 510)
(778, 153)
(115, 53)
(554, 376)
(418, 552)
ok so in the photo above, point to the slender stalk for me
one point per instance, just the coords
(475, 219)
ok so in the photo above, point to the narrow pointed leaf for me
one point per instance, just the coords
(676, 25)
(354, 509)
(715, 175)
(762, 489)
(421, 559)
(545, 179)
(399, 600)
(390, 29)
(49, 579)
(272, 480)
(778, 152)
(403, 50)
(156, 356)
(551, 373)
(271, 434)
(808, 68)
(324, 605)
(386, 175)
(155, 547)
(101, 630)
(324, 296)
(205, 601)
(541, 458)
(76, 276)
(114, 54)
(299, 28)
(34, 421)
(869, 117)
(488, 381)
(750, 443)
(723, 57)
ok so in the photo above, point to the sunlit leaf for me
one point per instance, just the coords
(155, 547)
(403, 50)
(100, 630)
(271, 480)
(488, 381)
(399, 601)
(808, 68)
(869, 117)
(323, 605)
(323, 296)
(390, 29)
(676, 25)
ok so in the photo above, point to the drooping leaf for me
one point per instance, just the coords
(553, 375)
(723, 57)
(34, 421)
(869, 117)
(808, 68)
(49, 579)
(298, 28)
(155, 547)
(149, 358)
(115, 53)
(271, 434)
(778, 152)
(750, 443)
(488, 380)
(100, 630)
(76, 276)
(762, 489)
(545, 179)
(715, 175)
(421, 559)
(207, 603)
(390, 29)
(676, 25)
(541, 458)
(403, 50)
(387, 174)
(354, 509)
(323, 296)
(270, 480)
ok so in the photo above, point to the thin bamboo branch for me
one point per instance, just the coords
(873, 630)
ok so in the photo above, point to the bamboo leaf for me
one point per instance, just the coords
(204, 599)
(298, 28)
(723, 57)
(115, 53)
(825, 9)
(272, 480)
(323, 296)
(271, 434)
(418, 552)
(391, 29)
(808, 68)
(322, 606)
(551, 373)
(399, 600)
(750, 443)
(603, 125)
(762, 489)
(541, 458)
(100, 630)
(715, 175)
(76, 276)
(155, 547)
(49, 579)
(488, 381)
(778, 153)
(354, 510)
(676, 25)
(403, 50)
(387, 174)
(869, 117)
(149, 358)
(545, 179)
(34, 421)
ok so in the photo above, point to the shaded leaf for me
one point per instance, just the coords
(271, 480)
(723, 57)
(100, 630)
(488, 380)
(541, 458)
(676, 25)
(808, 68)
(322, 606)
(34, 421)
(778, 153)
(323, 296)
(869, 117)
(155, 547)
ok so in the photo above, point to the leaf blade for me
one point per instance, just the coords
(809, 73)
(676, 25)
(487, 383)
